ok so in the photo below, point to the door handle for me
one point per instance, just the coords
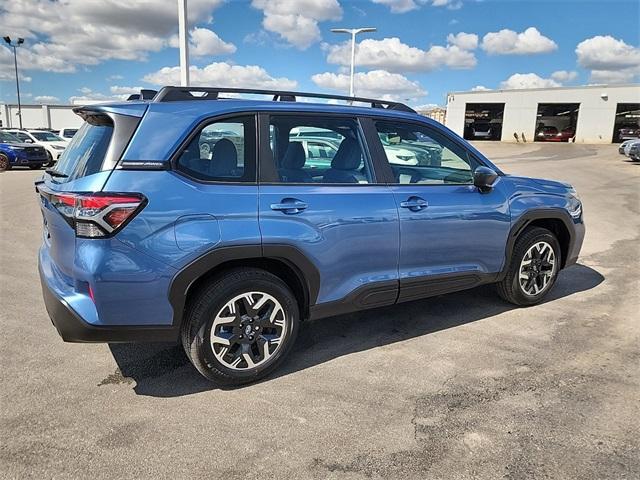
(415, 204)
(289, 206)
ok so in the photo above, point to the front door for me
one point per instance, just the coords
(329, 207)
(452, 235)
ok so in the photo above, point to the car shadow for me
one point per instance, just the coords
(163, 370)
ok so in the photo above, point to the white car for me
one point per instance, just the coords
(52, 143)
(67, 133)
(625, 146)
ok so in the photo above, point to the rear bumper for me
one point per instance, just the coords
(72, 328)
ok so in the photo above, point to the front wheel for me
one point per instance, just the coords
(534, 268)
(4, 163)
(50, 161)
(240, 326)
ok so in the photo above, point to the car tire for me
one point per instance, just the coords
(35, 167)
(533, 269)
(50, 163)
(4, 163)
(240, 326)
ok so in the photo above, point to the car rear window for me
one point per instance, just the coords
(86, 152)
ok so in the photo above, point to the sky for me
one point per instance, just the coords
(87, 50)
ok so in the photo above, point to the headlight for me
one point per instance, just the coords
(12, 147)
(575, 205)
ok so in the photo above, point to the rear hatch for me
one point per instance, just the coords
(82, 172)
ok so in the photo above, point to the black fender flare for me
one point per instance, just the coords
(526, 219)
(304, 269)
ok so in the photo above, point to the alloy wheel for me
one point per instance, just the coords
(537, 268)
(248, 330)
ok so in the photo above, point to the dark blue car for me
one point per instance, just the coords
(14, 153)
(196, 218)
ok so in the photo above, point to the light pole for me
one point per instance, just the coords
(20, 41)
(183, 34)
(353, 32)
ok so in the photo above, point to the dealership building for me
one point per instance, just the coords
(589, 114)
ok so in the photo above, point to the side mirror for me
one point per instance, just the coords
(28, 140)
(484, 178)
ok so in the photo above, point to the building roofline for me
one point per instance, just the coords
(511, 90)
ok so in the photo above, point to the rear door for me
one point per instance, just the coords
(330, 209)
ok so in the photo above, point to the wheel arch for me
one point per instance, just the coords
(284, 261)
(556, 220)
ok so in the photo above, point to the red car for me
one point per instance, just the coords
(551, 134)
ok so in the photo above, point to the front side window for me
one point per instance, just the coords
(318, 150)
(222, 151)
(23, 137)
(8, 138)
(421, 155)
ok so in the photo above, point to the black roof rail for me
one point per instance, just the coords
(176, 94)
(145, 94)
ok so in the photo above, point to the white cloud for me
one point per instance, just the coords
(508, 42)
(527, 80)
(116, 90)
(466, 41)
(62, 35)
(112, 78)
(89, 96)
(398, 6)
(204, 42)
(46, 99)
(376, 84)
(296, 21)
(614, 76)
(563, 76)
(393, 55)
(224, 75)
(480, 88)
(403, 6)
(610, 60)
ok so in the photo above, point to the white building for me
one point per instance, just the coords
(588, 114)
(39, 116)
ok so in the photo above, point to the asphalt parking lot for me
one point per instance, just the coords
(454, 387)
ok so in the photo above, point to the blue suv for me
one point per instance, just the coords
(224, 223)
(15, 153)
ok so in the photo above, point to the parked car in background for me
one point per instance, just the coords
(627, 146)
(67, 133)
(547, 134)
(148, 240)
(481, 130)
(629, 132)
(565, 134)
(15, 153)
(623, 148)
(634, 152)
(52, 143)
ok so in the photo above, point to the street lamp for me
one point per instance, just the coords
(353, 32)
(20, 41)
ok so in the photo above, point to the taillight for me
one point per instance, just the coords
(96, 215)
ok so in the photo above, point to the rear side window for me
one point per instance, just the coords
(317, 149)
(223, 151)
(86, 152)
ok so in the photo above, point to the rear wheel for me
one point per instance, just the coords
(4, 163)
(240, 326)
(534, 268)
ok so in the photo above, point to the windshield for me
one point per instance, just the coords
(46, 136)
(87, 149)
(8, 138)
(70, 132)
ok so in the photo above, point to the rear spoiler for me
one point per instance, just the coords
(145, 94)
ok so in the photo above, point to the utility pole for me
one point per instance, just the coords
(15, 64)
(353, 32)
(183, 34)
